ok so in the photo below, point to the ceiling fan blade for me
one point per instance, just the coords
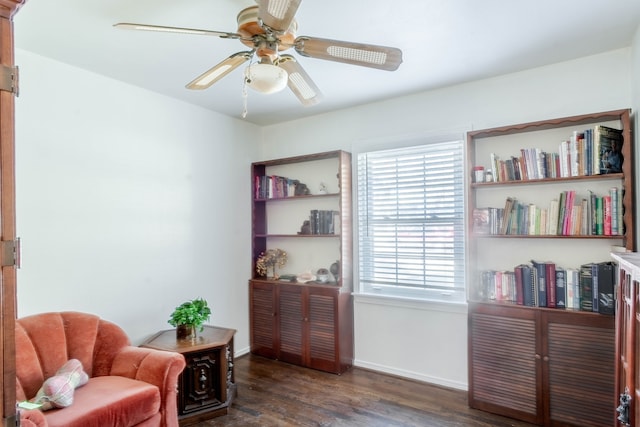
(277, 14)
(299, 81)
(163, 29)
(214, 74)
(366, 55)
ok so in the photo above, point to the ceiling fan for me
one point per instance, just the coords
(269, 29)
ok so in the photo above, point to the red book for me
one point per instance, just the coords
(518, 272)
(607, 215)
(551, 284)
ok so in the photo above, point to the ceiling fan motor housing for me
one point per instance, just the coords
(266, 43)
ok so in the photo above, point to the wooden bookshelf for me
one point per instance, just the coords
(308, 324)
(547, 366)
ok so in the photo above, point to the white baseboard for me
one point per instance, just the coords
(411, 375)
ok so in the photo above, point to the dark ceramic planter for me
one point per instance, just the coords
(185, 332)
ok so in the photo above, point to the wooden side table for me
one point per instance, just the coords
(206, 387)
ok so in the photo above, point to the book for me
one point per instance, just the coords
(615, 205)
(506, 216)
(571, 284)
(561, 288)
(518, 273)
(529, 286)
(586, 287)
(540, 275)
(606, 215)
(608, 142)
(594, 287)
(606, 286)
(481, 223)
(550, 281)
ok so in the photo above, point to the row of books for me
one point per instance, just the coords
(567, 215)
(594, 151)
(544, 284)
(322, 221)
(275, 187)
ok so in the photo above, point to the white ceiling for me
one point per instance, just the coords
(444, 42)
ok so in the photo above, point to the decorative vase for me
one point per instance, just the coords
(186, 332)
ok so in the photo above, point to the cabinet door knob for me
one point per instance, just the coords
(546, 358)
(537, 356)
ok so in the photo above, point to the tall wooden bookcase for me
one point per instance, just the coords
(547, 366)
(311, 323)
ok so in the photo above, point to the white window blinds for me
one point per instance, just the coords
(411, 222)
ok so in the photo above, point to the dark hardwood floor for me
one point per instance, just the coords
(272, 393)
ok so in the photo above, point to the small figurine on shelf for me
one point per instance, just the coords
(306, 227)
(323, 188)
(322, 275)
(301, 189)
(335, 270)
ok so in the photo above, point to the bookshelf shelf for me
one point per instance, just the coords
(542, 236)
(298, 236)
(612, 176)
(293, 198)
(311, 323)
(538, 333)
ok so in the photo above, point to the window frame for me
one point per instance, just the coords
(425, 295)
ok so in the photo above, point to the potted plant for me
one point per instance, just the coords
(189, 317)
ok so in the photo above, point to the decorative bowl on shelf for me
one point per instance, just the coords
(322, 275)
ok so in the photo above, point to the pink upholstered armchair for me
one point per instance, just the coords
(128, 386)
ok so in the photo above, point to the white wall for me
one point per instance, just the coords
(429, 341)
(129, 203)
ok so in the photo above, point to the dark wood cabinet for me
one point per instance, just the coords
(305, 323)
(627, 372)
(206, 387)
(545, 366)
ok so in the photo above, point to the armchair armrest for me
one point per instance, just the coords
(32, 418)
(157, 367)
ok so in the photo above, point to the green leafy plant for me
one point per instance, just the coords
(194, 313)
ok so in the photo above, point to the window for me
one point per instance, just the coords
(411, 222)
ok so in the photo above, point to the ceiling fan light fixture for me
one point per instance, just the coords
(266, 78)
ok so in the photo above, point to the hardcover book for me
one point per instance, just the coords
(606, 286)
(561, 288)
(586, 287)
(608, 143)
(481, 221)
(541, 274)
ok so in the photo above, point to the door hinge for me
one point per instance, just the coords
(9, 79)
(10, 253)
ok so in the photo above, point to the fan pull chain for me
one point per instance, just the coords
(245, 97)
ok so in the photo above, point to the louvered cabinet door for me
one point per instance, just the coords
(322, 321)
(291, 323)
(504, 362)
(579, 362)
(262, 312)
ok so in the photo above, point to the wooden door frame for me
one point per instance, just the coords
(8, 300)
